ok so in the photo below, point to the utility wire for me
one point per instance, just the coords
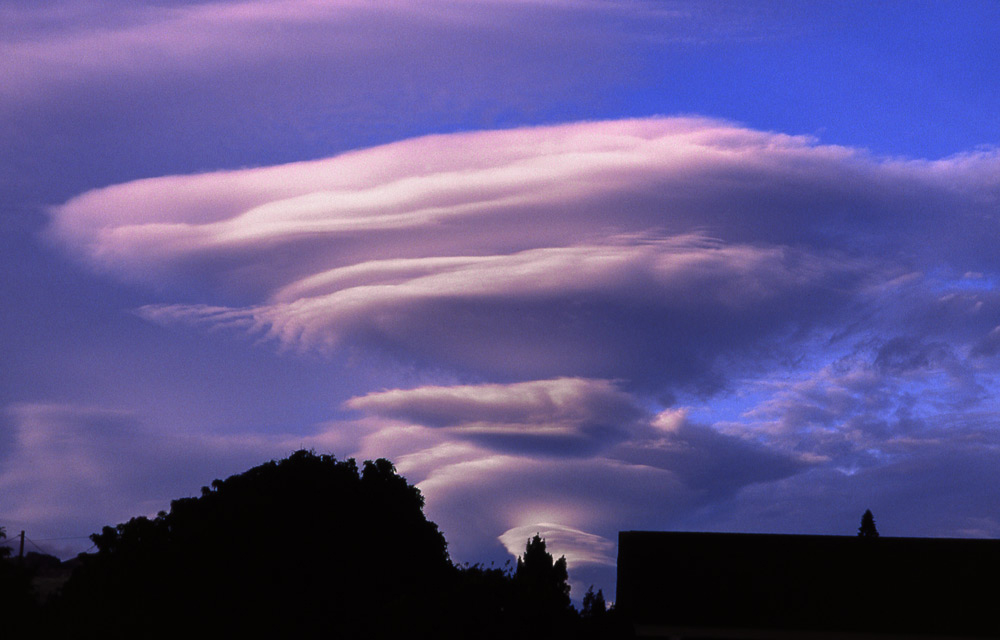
(10, 542)
(36, 546)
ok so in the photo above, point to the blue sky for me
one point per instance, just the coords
(575, 267)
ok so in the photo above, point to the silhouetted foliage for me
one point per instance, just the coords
(867, 528)
(597, 621)
(594, 605)
(484, 602)
(545, 580)
(310, 547)
(17, 603)
(542, 590)
(304, 547)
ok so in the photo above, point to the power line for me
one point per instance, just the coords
(21, 538)
(36, 546)
(11, 540)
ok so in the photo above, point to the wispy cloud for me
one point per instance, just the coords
(366, 48)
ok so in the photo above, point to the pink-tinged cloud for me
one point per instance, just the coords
(531, 188)
(489, 192)
(77, 44)
(483, 497)
(344, 52)
(637, 249)
(569, 459)
(537, 406)
(578, 547)
(566, 416)
(578, 503)
(589, 555)
(488, 506)
(607, 311)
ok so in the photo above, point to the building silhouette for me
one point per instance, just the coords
(753, 586)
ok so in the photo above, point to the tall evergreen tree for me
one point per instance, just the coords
(542, 593)
(544, 580)
(867, 528)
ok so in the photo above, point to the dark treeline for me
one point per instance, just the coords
(307, 547)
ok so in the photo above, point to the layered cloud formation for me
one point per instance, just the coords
(642, 250)
(661, 322)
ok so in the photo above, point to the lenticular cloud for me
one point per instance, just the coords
(556, 289)
(659, 252)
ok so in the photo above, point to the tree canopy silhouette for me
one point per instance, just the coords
(544, 579)
(867, 528)
(594, 605)
(542, 587)
(307, 546)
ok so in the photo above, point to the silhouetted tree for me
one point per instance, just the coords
(594, 605)
(306, 547)
(598, 622)
(544, 579)
(542, 587)
(867, 528)
(484, 602)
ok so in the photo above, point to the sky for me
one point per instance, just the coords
(575, 267)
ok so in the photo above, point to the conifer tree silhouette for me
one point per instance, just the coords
(867, 528)
(542, 587)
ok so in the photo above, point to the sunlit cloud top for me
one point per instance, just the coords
(648, 251)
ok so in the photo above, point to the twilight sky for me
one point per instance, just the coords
(574, 266)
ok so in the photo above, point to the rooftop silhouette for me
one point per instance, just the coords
(768, 586)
